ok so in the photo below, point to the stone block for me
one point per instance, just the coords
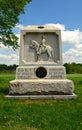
(41, 87)
(41, 71)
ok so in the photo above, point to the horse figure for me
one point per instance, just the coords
(40, 49)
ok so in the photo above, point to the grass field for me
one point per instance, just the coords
(41, 114)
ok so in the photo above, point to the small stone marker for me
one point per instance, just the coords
(40, 74)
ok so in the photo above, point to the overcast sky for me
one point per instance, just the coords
(64, 14)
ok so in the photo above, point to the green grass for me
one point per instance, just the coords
(41, 114)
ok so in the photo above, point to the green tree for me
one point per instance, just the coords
(9, 12)
(73, 68)
(67, 65)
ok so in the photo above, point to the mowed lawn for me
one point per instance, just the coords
(42, 114)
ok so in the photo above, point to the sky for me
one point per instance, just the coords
(64, 14)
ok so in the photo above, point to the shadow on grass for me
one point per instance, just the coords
(4, 91)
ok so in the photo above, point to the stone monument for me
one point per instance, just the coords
(40, 74)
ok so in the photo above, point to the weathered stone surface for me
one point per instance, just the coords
(41, 87)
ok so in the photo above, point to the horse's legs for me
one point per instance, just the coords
(38, 57)
(49, 55)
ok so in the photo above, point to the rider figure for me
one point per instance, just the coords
(42, 44)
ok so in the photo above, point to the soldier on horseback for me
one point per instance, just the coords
(42, 45)
(42, 48)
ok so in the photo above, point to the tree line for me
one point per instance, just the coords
(72, 68)
(8, 68)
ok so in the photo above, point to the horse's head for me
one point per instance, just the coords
(34, 44)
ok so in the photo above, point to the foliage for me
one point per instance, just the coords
(40, 114)
(73, 68)
(70, 68)
(9, 12)
(8, 68)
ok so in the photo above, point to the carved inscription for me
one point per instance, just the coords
(25, 73)
(30, 73)
(57, 73)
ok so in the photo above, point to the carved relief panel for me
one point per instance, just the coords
(40, 46)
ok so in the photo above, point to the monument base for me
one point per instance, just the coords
(41, 87)
(42, 97)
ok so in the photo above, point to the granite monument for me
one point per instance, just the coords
(40, 74)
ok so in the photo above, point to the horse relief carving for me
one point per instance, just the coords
(41, 48)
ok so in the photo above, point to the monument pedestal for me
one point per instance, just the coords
(40, 74)
(47, 82)
(41, 87)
